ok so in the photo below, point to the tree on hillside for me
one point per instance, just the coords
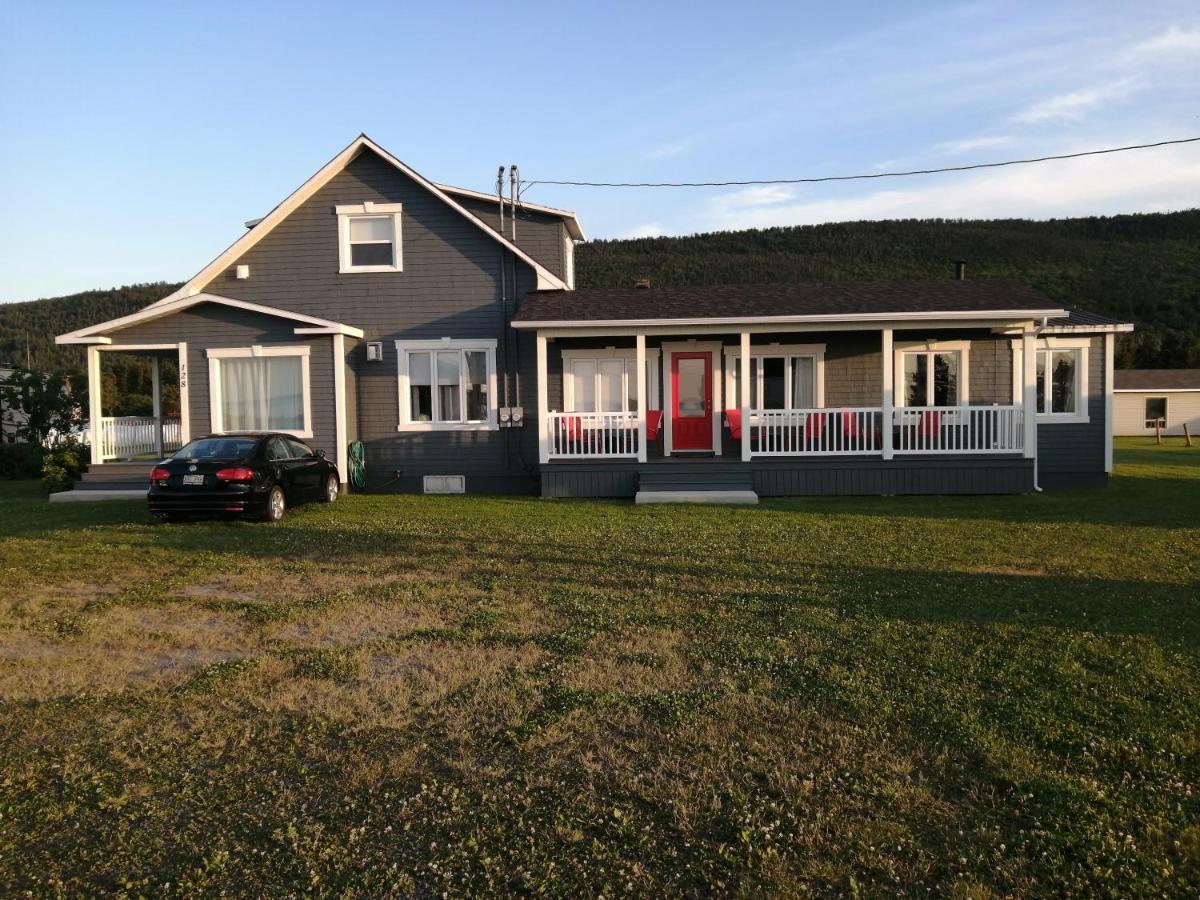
(39, 407)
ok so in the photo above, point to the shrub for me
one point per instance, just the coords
(64, 464)
(20, 461)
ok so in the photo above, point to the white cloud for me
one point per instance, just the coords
(1172, 42)
(967, 145)
(753, 197)
(1154, 180)
(1075, 104)
(650, 229)
(667, 151)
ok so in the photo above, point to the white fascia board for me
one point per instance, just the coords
(918, 318)
(1121, 328)
(75, 339)
(546, 279)
(347, 330)
(1156, 390)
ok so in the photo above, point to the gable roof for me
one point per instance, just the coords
(1156, 380)
(795, 302)
(546, 280)
(95, 334)
(570, 219)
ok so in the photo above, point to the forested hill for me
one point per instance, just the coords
(1145, 268)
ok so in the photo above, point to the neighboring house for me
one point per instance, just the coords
(374, 305)
(11, 419)
(1145, 396)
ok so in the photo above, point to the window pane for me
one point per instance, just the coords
(449, 365)
(377, 228)
(612, 372)
(691, 391)
(804, 388)
(916, 369)
(370, 254)
(263, 393)
(1156, 411)
(420, 387)
(584, 371)
(1063, 396)
(945, 379)
(774, 391)
(477, 382)
(1041, 382)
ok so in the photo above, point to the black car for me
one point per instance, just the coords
(257, 475)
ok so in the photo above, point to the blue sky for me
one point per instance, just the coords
(136, 137)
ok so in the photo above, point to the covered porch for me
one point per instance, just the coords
(133, 438)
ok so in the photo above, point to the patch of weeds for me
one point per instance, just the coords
(212, 678)
(331, 665)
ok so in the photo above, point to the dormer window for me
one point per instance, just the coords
(369, 237)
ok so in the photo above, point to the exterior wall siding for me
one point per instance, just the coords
(538, 234)
(1071, 455)
(1129, 412)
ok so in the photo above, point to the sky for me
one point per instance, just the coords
(135, 138)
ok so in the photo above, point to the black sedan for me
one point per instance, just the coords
(257, 475)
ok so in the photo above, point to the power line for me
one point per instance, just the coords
(823, 178)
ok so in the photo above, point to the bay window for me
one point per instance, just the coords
(260, 389)
(447, 384)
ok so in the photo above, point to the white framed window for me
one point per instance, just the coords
(1156, 412)
(260, 389)
(1061, 374)
(447, 385)
(932, 373)
(369, 237)
(781, 377)
(606, 380)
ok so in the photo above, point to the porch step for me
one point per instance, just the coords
(106, 473)
(682, 483)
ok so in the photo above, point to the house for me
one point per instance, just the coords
(1143, 397)
(444, 333)
(11, 418)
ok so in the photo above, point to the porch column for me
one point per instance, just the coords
(1109, 340)
(1029, 393)
(889, 394)
(95, 386)
(156, 394)
(744, 400)
(543, 402)
(641, 396)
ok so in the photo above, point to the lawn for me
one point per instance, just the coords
(418, 695)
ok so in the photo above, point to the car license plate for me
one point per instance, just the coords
(193, 479)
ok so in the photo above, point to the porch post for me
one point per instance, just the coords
(95, 386)
(1029, 393)
(543, 402)
(889, 394)
(641, 396)
(156, 393)
(744, 400)
(1109, 340)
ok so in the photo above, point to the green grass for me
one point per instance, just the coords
(970, 696)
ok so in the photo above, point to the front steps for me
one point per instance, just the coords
(109, 481)
(696, 482)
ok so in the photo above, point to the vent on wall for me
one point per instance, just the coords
(374, 351)
(445, 484)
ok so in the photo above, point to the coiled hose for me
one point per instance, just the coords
(358, 464)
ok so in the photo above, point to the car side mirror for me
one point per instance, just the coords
(320, 454)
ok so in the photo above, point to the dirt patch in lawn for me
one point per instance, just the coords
(636, 661)
(34, 599)
(356, 622)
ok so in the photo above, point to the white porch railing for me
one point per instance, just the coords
(959, 429)
(576, 435)
(123, 437)
(816, 432)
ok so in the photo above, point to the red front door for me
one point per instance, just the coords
(691, 401)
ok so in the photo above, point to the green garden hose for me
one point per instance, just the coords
(358, 461)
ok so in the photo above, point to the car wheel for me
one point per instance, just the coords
(276, 504)
(332, 488)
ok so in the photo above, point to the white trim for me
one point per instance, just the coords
(572, 355)
(95, 411)
(668, 402)
(185, 418)
(161, 309)
(687, 331)
(815, 351)
(1194, 390)
(951, 316)
(1080, 346)
(1118, 328)
(640, 360)
(744, 401)
(571, 220)
(546, 280)
(404, 347)
(1109, 345)
(339, 406)
(337, 328)
(346, 212)
(962, 348)
(216, 354)
(543, 402)
(133, 348)
(889, 393)
(1029, 398)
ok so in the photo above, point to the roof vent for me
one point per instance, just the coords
(642, 283)
(960, 269)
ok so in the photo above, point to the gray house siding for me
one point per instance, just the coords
(210, 325)
(540, 235)
(1072, 455)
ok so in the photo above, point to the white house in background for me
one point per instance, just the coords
(1143, 396)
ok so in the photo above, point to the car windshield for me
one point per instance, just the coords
(218, 448)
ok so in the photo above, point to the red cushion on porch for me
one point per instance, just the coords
(733, 418)
(574, 427)
(930, 422)
(850, 424)
(653, 423)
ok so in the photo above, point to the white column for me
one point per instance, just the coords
(156, 396)
(744, 399)
(95, 386)
(1029, 393)
(543, 402)
(185, 422)
(340, 432)
(889, 394)
(641, 396)
(1109, 342)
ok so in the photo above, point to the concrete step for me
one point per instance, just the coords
(127, 484)
(722, 497)
(78, 496)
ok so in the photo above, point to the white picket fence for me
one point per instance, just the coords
(575, 435)
(816, 432)
(127, 437)
(959, 429)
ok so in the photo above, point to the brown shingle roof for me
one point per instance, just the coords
(750, 301)
(1156, 380)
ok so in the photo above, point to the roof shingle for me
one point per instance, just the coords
(1156, 380)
